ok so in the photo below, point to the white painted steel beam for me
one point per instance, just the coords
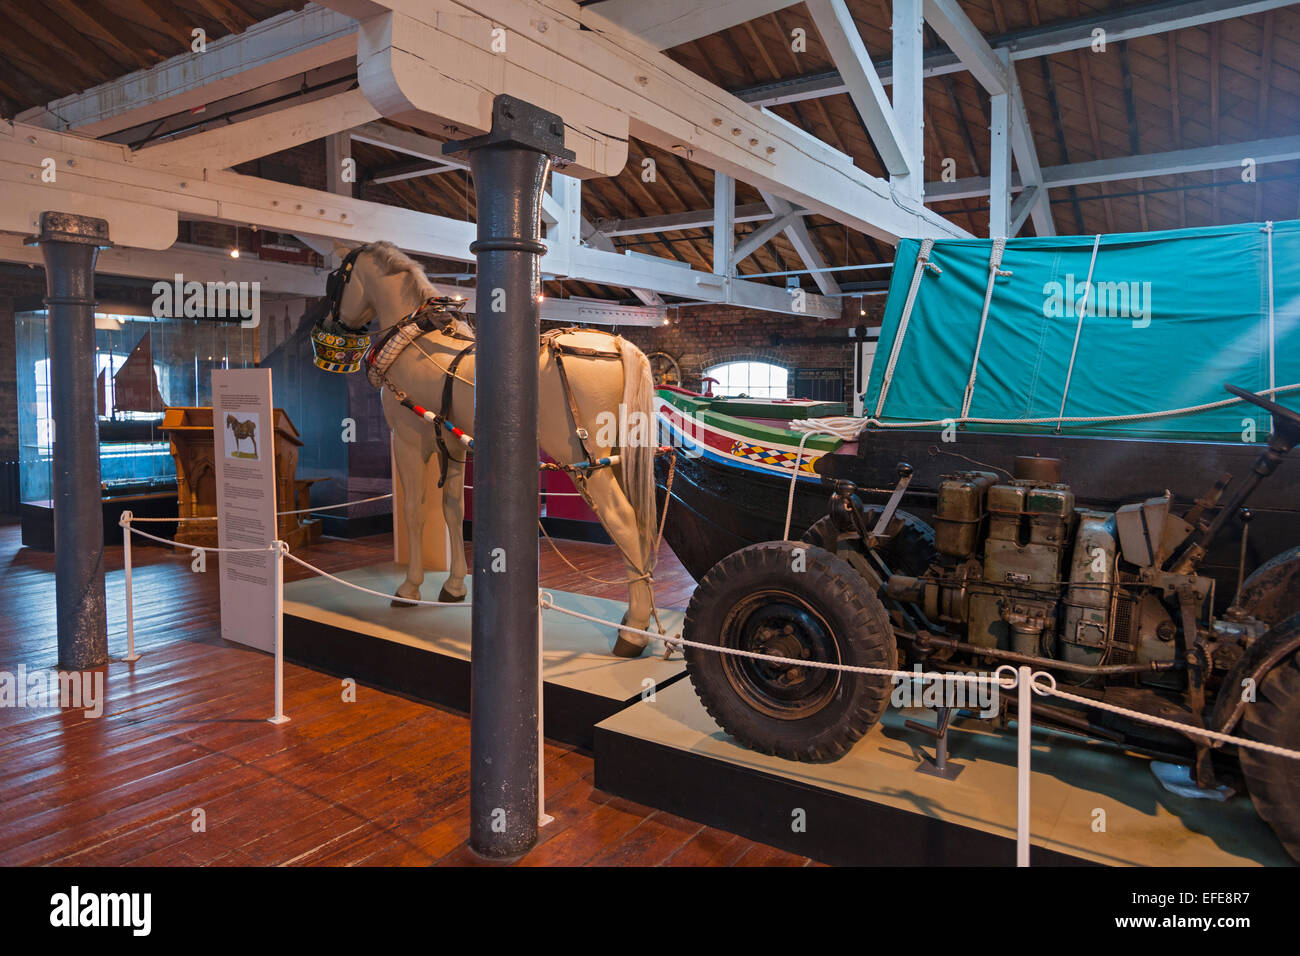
(142, 203)
(796, 231)
(844, 44)
(431, 64)
(282, 46)
(227, 146)
(191, 261)
(1197, 159)
(668, 23)
(948, 20)
(1000, 166)
(908, 94)
(1123, 23)
(724, 225)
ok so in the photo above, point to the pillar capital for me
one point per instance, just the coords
(70, 227)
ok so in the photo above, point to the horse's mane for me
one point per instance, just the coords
(393, 260)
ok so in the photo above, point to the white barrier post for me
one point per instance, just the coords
(125, 522)
(543, 817)
(280, 548)
(1023, 740)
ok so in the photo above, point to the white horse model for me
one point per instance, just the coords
(614, 384)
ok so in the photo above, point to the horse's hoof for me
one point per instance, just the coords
(405, 600)
(625, 648)
(446, 596)
(629, 644)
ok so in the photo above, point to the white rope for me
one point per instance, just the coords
(1073, 419)
(1044, 690)
(1005, 677)
(196, 547)
(135, 519)
(344, 504)
(312, 510)
(1006, 680)
(922, 263)
(1272, 332)
(995, 260)
(794, 479)
(843, 427)
(1078, 329)
(365, 590)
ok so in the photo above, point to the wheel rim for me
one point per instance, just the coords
(780, 624)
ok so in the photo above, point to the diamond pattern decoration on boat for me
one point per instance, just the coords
(772, 456)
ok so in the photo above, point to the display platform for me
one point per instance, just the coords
(423, 652)
(873, 807)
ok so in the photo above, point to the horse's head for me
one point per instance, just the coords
(347, 306)
(374, 281)
(230, 421)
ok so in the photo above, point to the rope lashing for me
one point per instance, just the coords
(1078, 331)
(995, 270)
(922, 263)
(1272, 321)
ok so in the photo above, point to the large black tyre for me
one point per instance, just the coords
(1272, 592)
(1274, 718)
(762, 599)
(910, 551)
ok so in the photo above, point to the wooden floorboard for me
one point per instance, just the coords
(380, 781)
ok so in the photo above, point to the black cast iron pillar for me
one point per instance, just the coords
(70, 245)
(509, 166)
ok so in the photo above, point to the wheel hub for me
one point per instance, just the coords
(781, 626)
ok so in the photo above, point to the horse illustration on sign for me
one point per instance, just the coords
(242, 430)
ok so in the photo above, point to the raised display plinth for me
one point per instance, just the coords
(873, 808)
(423, 652)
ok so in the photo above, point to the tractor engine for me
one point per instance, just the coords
(1023, 571)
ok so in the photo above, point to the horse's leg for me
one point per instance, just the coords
(453, 512)
(411, 459)
(619, 520)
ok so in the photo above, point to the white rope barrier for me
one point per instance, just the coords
(364, 590)
(345, 504)
(136, 519)
(197, 547)
(1026, 681)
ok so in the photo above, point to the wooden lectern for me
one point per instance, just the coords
(193, 449)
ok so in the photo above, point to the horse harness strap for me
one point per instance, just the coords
(551, 340)
(422, 321)
(447, 383)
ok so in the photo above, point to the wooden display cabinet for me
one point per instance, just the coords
(193, 447)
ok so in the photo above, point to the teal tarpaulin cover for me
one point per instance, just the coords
(1168, 318)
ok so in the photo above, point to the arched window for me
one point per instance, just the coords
(754, 379)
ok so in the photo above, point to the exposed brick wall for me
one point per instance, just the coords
(700, 337)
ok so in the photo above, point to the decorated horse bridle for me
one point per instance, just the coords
(337, 282)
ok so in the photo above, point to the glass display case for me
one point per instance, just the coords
(142, 365)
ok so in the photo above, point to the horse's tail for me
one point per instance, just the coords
(638, 446)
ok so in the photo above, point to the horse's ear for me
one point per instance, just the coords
(341, 250)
